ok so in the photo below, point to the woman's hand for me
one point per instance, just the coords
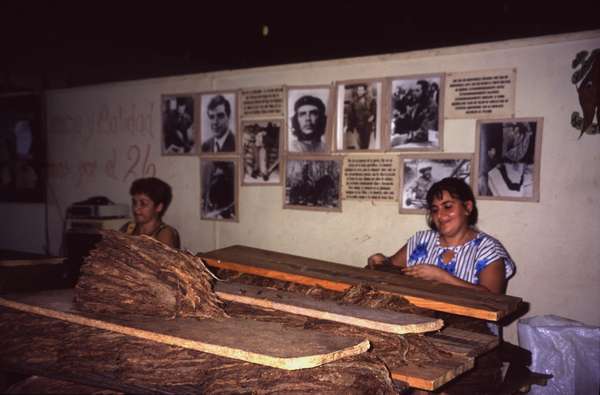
(376, 260)
(428, 272)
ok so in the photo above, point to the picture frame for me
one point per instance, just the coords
(261, 142)
(308, 124)
(179, 127)
(23, 160)
(218, 123)
(508, 157)
(415, 113)
(419, 171)
(359, 111)
(313, 183)
(219, 189)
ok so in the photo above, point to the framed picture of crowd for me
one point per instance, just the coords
(261, 152)
(308, 120)
(419, 171)
(219, 189)
(218, 123)
(313, 183)
(416, 113)
(507, 153)
(179, 128)
(358, 116)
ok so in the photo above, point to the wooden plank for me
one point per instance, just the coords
(269, 344)
(36, 344)
(31, 262)
(430, 378)
(387, 321)
(465, 343)
(423, 375)
(338, 277)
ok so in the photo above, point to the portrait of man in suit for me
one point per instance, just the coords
(219, 117)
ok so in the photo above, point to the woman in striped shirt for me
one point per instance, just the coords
(453, 251)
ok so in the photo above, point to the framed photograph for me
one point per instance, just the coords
(22, 149)
(313, 183)
(308, 120)
(507, 153)
(416, 115)
(358, 115)
(218, 127)
(178, 126)
(419, 171)
(219, 191)
(261, 152)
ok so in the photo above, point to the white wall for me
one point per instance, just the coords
(97, 132)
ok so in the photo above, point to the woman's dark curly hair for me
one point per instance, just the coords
(156, 189)
(458, 189)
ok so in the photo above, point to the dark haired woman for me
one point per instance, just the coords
(150, 198)
(453, 251)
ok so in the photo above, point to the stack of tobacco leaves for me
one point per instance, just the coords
(140, 276)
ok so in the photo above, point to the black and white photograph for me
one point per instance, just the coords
(22, 149)
(261, 150)
(219, 192)
(179, 131)
(313, 184)
(219, 123)
(358, 116)
(308, 120)
(416, 116)
(419, 172)
(508, 158)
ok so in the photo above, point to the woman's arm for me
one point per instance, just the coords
(398, 259)
(169, 236)
(491, 278)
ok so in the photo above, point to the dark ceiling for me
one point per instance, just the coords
(55, 44)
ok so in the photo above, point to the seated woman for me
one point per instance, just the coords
(150, 198)
(454, 251)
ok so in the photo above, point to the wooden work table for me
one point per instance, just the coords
(98, 355)
(338, 277)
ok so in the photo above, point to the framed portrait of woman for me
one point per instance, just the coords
(507, 153)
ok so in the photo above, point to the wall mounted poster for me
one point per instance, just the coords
(219, 189)
(420, 172)
(22, 149)
(308, 120)
(370, 178)
(262, 103)
(261, 152)
(508, 159)
(359, 112)
(313, 184)
(218, 126)
(416, 116)
(480, 94)
(178, 126)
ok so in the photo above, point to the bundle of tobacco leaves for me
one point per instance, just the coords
(140, 276)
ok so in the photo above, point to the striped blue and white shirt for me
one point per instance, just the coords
(468, 260)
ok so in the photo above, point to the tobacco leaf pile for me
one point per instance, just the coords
(139, 276)
(394, 350)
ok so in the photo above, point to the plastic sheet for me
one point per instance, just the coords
(569, 350)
